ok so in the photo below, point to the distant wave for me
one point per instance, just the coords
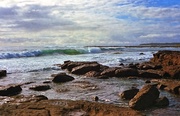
(37, 53)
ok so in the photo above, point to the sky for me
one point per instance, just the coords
(88, 22)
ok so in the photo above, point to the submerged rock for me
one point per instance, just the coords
(3, 73)
(145, 98)
(40, 87)
(62, 77)
(10, 90)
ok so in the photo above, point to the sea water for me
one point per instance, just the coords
(37, 64)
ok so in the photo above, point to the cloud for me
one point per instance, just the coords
(90, 21)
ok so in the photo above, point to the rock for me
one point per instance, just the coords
(92, 74)
(3, 73)
(172, 71)
(162, 102)
(95, 98)
(82, 69)
(141, 53)
(110, 71)
(148, 65)
(161, 86)
(69, 65)
(170, 62)
(40, 87)
(147, 81)
(129, 94)
(145, 98)
(62, 77)
(10, 90)
(126, 72)
(65, 108)
(151, 74)
(172, 86)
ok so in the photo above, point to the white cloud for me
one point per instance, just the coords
(87, 21)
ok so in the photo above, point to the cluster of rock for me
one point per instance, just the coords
(165, 64)
(145, 98)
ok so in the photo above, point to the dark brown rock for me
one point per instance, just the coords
(10, 90)
(129, 94)
(162, 102)
(62, 77)
(145, 98)
(40, 87)
(3, 73)
(110, 71)
(82, 69)
(125, 72)
(151, 74)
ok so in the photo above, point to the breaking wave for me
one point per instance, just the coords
(36, 53)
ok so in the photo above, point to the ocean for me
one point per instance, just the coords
(36, 65)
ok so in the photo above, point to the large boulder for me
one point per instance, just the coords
(83, 69)
(129, 94)
(3, 73)
(10, 90)
(145, 98)
(62, 77)
(170, 62)
(126, 72)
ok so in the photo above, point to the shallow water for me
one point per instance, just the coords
(83, 88)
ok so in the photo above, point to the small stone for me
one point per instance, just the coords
(95, 98)
(3, 73)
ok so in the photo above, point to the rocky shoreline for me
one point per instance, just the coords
(162, 73)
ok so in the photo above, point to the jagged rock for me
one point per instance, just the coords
(129, 94)
(82, 69)
(145, 98)
(10, 90)
(125, 72)
(62, 77)
(40, 87)
(170, 62)
(3, 73)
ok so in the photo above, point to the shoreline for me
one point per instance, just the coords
(91, 70)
